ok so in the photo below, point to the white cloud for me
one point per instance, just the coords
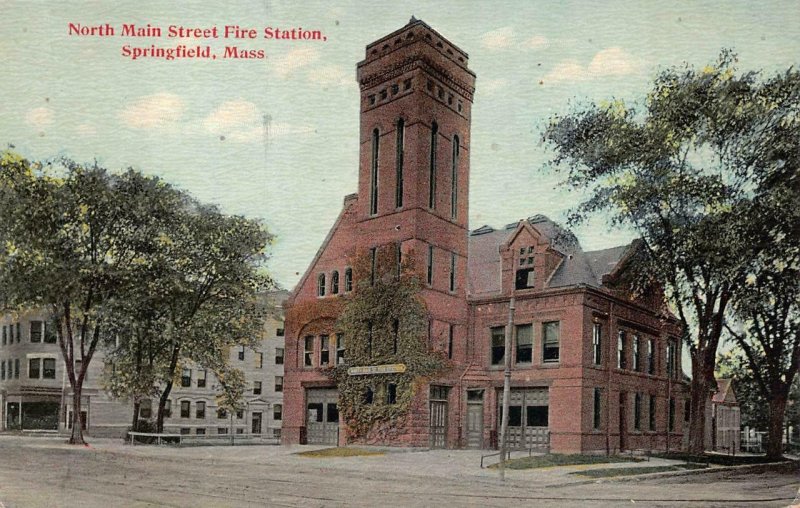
(293, 60)
(537, 42)
(331, 75)
(39, 117)
(607, 62)
(241, 121)
(86, 130)
(153, 111)
(493, 85)
(498, 39)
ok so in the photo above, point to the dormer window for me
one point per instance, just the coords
(525, 274)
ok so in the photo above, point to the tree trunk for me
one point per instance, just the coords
(777, 410)
(162, 403)
(135, 423)
(697, 425)
(77, 424)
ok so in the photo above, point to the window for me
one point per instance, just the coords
(514, 416)
(321, 284)
(200, 432)
(324, 351)
(239, 416)
(671, 359)
(524, 344)
(168, 408)
(687, 410)
(498, 344)
(536, 416)
(222, 413)
(398, 257)
(637, 411)
(201, 378)
(146, 409)
(277, 412)
(635, 353)
(3, 369)
(391, 393)
(50, 336)
(259, 360)
(452, 271)
(279, 356)
(278, 383)
(398, 192)
(651, 420)
(348, 280)
(241, 353)
(597, 344)
(621, 360)
(395, 335)
(34, 364)
(432, 167)
(651, 357)
(524, 278)
(185, 408)
(222, 430)
(454, 180)
(19, 332)
(550, 341)
(335, 283)
(256, 387)
(77, 369)
(240, 430)
(597, 414)
(280, 332)
(200, 410)
(368, 395)
(450, 335)
(333, 413)
(5, 334)
(186, 378)
(185, 431)
(308, 352)
(373, 184)
(16, 368)
(430, 265)
(373, 261)
(36, 331)
(49, 368)
(339, 349)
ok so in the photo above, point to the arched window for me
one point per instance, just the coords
(321, 285)
(348, 280)
(454, 180)
(373, 185)
(398, 194)
(335, 283)
(432, 172)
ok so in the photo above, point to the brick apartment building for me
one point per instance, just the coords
(594, 369)
(35, 393)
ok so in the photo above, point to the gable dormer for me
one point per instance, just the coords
(527, 258)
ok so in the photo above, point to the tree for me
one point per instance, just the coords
(683, 172)
(71, 237)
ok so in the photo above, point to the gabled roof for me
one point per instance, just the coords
(724, 392)
(578, 267)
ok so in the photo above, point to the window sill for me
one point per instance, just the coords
(550, 365)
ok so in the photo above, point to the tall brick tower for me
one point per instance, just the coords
(413, 190)
(413, 187)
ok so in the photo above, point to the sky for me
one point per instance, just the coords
(277, 138)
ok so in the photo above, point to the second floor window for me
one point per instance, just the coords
(339, 349)
(278, 383)
(200, 410)
(335, 283)
(621, 360)
(308, 352)
(321, 285)
(550, 341)
(651, 356)
(279, 356)
(498, 334)
(256, 387)
(185, 408)
(324, 351)
(201, 379)
(635, 354)
(524, 344)
(597, 344)
(348, 280)
(36, 331)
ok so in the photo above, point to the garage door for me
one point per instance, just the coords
(322, 416)
(528, 415)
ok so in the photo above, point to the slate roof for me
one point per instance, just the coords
(723, 390)
(578, 267)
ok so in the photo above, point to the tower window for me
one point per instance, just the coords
(348, 280)
(407, 84)
(373, 254)
(395, 335)
(398, 255)
(398, 195)
(395, 89)
(321, 285)
(371, 100)
(454, 180)
(369, 340)
(384, 94)
(432, 175)
(373, 188)
(430, 265)
(450, 338)
(452, 271)
(335, 283)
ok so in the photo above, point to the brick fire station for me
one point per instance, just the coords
(594, 367)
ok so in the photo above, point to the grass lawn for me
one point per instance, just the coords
(718, 459)
(557, 459)
(629, 471)
(342, 451)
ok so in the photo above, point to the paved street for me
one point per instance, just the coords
(45, 472)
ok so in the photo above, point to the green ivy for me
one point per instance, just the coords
(391, 300)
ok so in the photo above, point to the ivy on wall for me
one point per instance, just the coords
(385, 321)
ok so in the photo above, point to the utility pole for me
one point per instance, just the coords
(506, 389)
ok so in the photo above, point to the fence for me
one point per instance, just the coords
(539, 443)
(135, 438)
